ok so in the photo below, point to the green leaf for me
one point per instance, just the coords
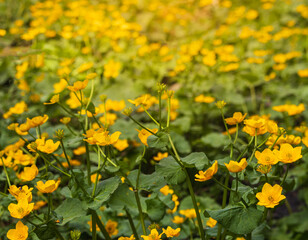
(104, 190)
(124, 197)
(237, 219)
(196, 159)
(155, 209)
(170, 170)
(215, 140)
(45, 232)
(71, 208)
(159, 141)
(147, 182)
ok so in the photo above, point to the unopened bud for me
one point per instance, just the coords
(220, 104)
(60, 134)
(127, 111)
(75, 235)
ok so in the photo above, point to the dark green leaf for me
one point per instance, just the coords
(237, 219)
(196, 159)
(155, 209)
(71, 208)
(159, 141)
(171, 170)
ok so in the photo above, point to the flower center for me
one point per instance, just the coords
(270, 198)
(289, 155)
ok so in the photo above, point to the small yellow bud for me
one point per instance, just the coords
(60, 134)
(220, 104)
(127, 111)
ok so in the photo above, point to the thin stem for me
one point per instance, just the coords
(153, 119)
(100, 225)
(93, 227)
(141, 125)
(222, 185)
(224, 202)
(169, 109)
(288, 206)
(245, 150)
(264, 214)
(108, 159)
(6, 174)
(131, 223)
(285, 176)
(191, 191)
(49, 163)
(236, 182)
(98, 166)
(236, 135)
(159, 111)
(49, 206)
(91, 95)
(3, 194)
(227, 129)
(136, 192)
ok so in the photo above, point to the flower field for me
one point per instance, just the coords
(153, 119)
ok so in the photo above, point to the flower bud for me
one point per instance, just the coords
(220, 104)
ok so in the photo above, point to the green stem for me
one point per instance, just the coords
(93, 227)
(245, 150)
(227, 129)
(224, 202)
(108, 159)
(285, 176)
(141, 125)
(159, 111)
(98, 166)
(6, 174)
(191, 191)
(288, 206)
(131, 223)
(169, 109)
(264, 214)
(49, 163)
(3, 194)
(136, 192)
(49, 206)
(58, 234)
(222, 185)
(236, 182)
(153, 119)
(100, 225)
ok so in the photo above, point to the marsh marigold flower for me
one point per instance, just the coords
(21, 209)
(288, 154)
(127, 238)
(144, 134)
(166, 190)
(154, 235)
(211, 222)
(160, 156)
(238, 117)
(170, 232)
(111, 228)
(270, 195)
(178, 219)
(234, 166)
(53, 100)
(208, 174)
(79, 85)
(48, 187)
(49, 146)
(121, 144)
(18, 192)
(19, 233)
(204, 99)
(29, 173)
(267, 157)
(189, 213)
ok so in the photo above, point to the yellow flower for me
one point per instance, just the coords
(267, 157)
(102, 138)
(121, 144)
(160, 156)
(303, 73)
(79, 85)
(204, 99)
(48, 187)
(144, 134)
(49, 146)
(127, 238)
(178, 220)
(65, 120)
(170, 232)
(20, 233)
(21, 209)
(238, 117)
(235, 167)
(39, 204)
(152, 236)
(111, 228)
(91, 76)
(255, 126)
(270, 195)
(80, 150)
(53, 100)
(29, 173)
(189, 213)
(112, 69)
(93, 177)
(60, 86)
(37, 121)
(208, 174)
(166, 190)
(288, 154)
(84, 67)
(211, 222)
(21, 192)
